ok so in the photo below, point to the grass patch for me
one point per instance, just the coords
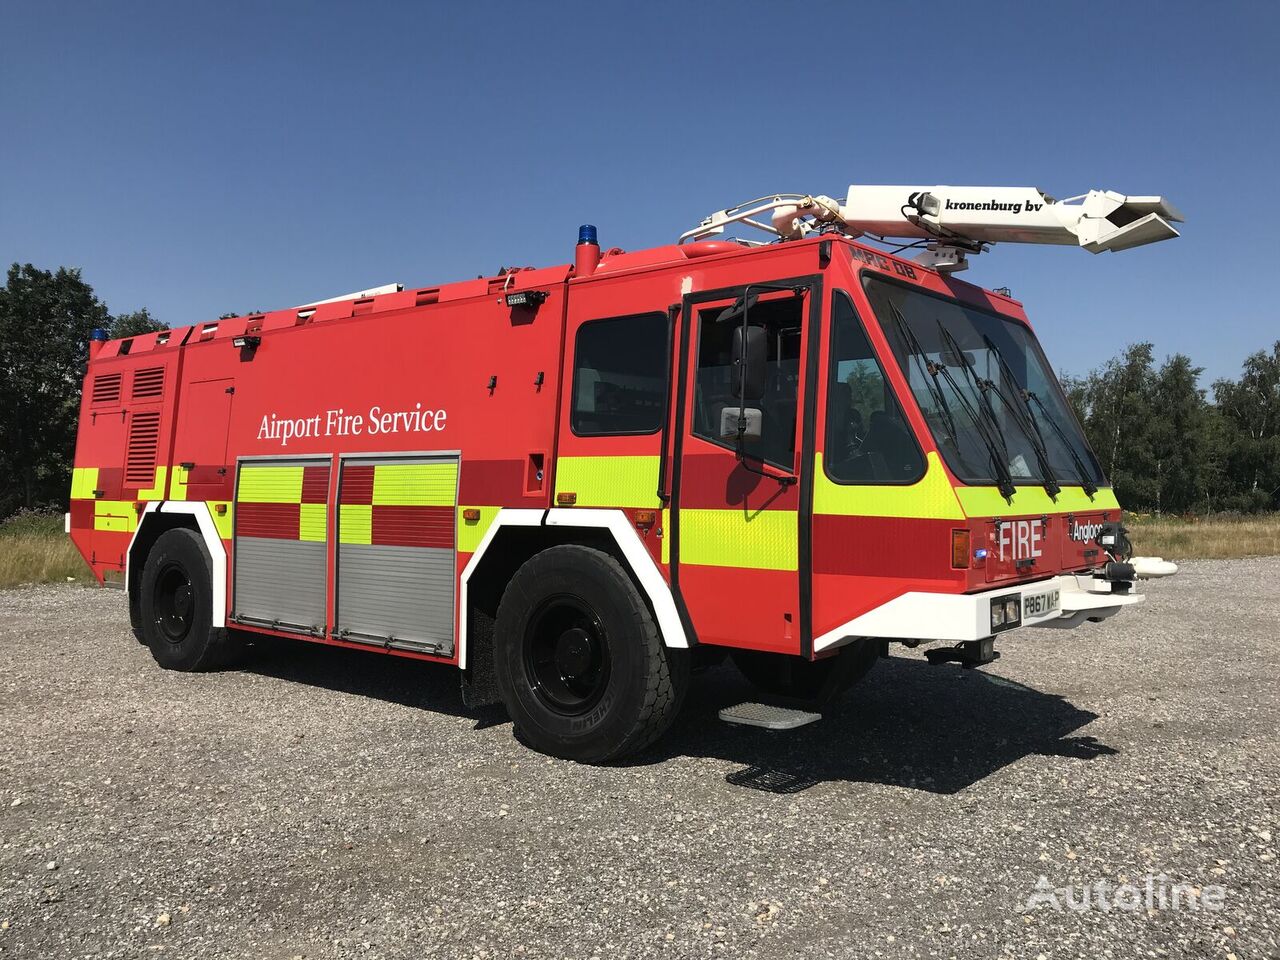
(1214, 537)
(33, 549)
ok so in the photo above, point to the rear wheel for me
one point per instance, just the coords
(176, 606)
(578, 659)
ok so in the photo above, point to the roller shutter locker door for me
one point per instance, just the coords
(397, 557)
(280, 543)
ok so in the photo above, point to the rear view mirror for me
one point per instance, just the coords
(749, 419)
(750, 359)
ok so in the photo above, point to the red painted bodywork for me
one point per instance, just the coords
(500, 375)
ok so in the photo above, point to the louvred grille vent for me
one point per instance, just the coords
(140, 457)
(106, 388)
(148, 383)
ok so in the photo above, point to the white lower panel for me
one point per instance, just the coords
(957, 617)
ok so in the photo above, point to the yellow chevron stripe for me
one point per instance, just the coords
(269, 484)
(729, 538)
(931, 497)
(471, 532)
(156, 492)
(610, 481)
(84, 480)
(355, 523)
(981, 502)
(178, 483)
(415, 484)
(116, 516)
(223, 522)
(313, 522)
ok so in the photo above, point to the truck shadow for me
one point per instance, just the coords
(907, 724)
(938, 729)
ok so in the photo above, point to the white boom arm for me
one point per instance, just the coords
(960, 220)
(1100, 220)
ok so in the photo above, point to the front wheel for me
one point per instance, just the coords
(175, 610)
(578, 659)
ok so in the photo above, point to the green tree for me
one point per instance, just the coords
(1115, 405)
(46, 319)
(135, 323)
(1178, 435)
(1250, 411)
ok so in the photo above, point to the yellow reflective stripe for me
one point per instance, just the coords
(84, 480)
(221, 521)
(268, 484)
(178, 483)
(730, 538)
(931, 497)
(313, 522)
(666, 536)
(117, 516)
(1032, 499)
(609, 481)
(157, 490)
(355, 523)
(415, 484)
(471, 532)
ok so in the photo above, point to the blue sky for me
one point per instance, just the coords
(200, 159)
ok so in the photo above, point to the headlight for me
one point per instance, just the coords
(1006, 612)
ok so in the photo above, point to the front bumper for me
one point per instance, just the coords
(957, 617)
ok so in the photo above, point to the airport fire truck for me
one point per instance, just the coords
(576, 482)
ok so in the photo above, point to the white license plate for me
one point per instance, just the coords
(1039, 604)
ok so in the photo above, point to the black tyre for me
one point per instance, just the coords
(176, 606)
(795, 678)
(578, 659)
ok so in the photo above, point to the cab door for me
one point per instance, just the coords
(738, 534)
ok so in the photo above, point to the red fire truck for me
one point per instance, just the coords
(573, 482)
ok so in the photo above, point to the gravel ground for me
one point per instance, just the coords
(323, 803)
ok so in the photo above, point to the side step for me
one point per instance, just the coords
(769, 717)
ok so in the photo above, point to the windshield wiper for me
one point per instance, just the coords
(1086, 481)
(988, 426)
(916, 349)
(1025, 418)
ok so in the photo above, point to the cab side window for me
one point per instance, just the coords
(619, 376)
(868, 439)
(716, 383)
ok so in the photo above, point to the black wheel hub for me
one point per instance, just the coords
(174, 603)
(566, 656)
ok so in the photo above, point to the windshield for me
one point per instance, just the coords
(993, 405)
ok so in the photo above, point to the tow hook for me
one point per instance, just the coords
(969, 653)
